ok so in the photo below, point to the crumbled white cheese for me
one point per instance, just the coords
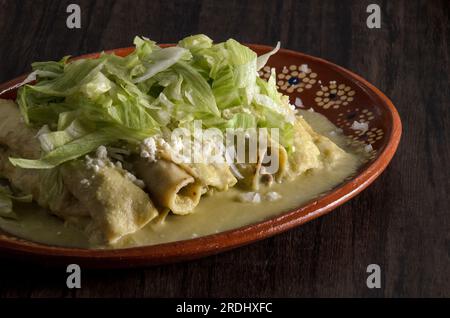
(255, 197)
(101, 152)
(148, 149)
(139, 183)
(100, 161)
(360, 126)
(332, 133)
(85, 182)
(304, 68)
(94, 163)
(118, 164)
(250, 197)
(135, 180)
(298, 102)
(89, 161)
(311, 110)
(272, 196)
(368, 148)
(130, 176)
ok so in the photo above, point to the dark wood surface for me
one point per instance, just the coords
(402, 222)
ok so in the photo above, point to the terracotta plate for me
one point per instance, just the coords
(337, 93)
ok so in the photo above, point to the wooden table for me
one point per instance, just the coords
(402, 222)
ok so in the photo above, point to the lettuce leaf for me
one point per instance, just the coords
(263, 59)
(67, 152)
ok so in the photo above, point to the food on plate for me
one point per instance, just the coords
(163, 144)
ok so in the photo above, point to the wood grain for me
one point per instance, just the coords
(401, 222)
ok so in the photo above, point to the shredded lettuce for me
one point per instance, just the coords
(196, 42)
(263, 59)
(67, 152)
(162, 60)
(112, 100)
(197, 91)
(242, 121)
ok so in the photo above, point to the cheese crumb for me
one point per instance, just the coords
(304, 68)
(148, 149)
(368, 148)
(298, 102)
(85, 182)
(102, 152)
(360, 126)
(94, 163)
(139, 183)
(135, 180)
(272, 196)
(249, 197)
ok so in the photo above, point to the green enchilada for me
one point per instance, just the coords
(141, 149)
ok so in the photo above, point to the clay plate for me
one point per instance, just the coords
(342, 96)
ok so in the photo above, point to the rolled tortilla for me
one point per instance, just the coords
(263, 175)
(117, 206)
(311, 151)
(30, 182)
(330, 153)
(15, 134)
(20, 140)
(216, 175)
(306, 154)
(114, 204)
(255, 175)
(169, 185)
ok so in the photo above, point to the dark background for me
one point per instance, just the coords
(401, 222)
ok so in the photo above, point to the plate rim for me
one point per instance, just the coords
(216, 243)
